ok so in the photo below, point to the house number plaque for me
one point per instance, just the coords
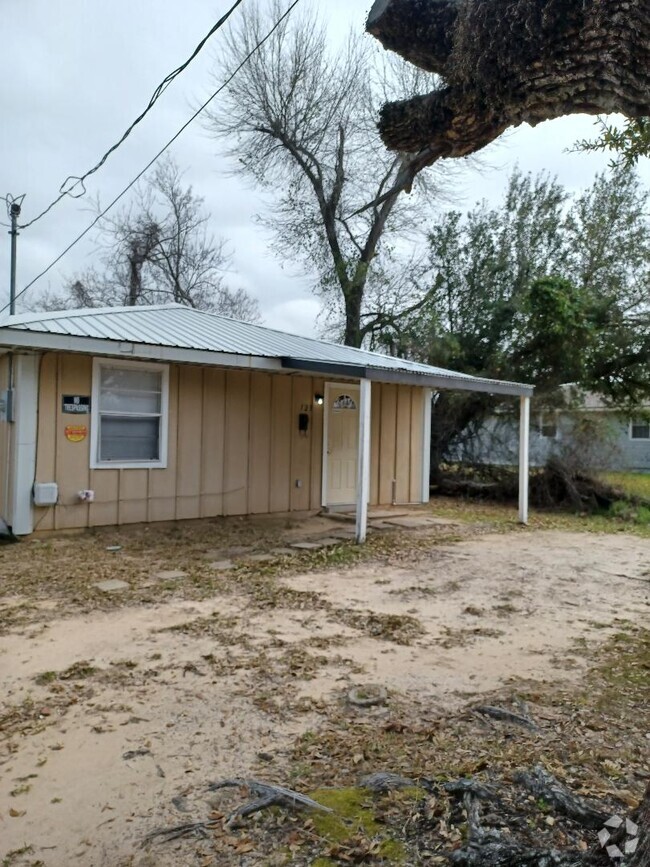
(76, 404)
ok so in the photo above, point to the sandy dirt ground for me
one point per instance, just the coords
(113, 721)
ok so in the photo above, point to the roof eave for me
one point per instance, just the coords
(21, 338)
(405, 377)
(17, 339)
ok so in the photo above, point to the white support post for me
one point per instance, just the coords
(24, 463)
(427, 395)
(524, 436)
(363, 461)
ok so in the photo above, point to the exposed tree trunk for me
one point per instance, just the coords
(504, 64)
(353, 298)
(135, 280)
(140, 248)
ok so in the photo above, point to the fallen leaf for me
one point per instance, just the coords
(626, 796)
(244, 846)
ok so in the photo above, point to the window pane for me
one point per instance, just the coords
(130, 390)
(129, 439)
(640, 430)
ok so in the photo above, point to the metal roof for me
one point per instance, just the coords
(185, 334)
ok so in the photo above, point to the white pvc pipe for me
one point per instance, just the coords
(427, 395)
(363, 461)
(524, 437)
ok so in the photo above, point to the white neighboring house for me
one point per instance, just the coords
(596, 434)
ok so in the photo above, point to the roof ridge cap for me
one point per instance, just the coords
(79, 312)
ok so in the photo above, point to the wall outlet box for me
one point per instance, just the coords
(46, 493)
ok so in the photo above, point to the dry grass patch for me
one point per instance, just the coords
(399, 628)
(65, 570)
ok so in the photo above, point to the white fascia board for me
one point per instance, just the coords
(451, 382)
(18, 338)
(404, 376)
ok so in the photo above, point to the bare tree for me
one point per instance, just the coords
(299, 120)
(159, 250)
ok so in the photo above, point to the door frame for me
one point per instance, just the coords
(329, 387)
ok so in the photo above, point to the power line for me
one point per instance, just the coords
(160, 152)
(72, 181)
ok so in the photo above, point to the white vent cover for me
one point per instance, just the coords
(46, 493)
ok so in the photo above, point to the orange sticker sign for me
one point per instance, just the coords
(76, 433)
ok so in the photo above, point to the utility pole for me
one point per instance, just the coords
(14, 213)
(7, 397)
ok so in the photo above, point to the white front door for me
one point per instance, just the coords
(341, 443)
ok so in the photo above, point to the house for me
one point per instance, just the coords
(140, 414)
(586, 430)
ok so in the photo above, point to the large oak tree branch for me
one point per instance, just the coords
(504, 64)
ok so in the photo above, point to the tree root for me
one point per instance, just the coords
(508, 854)
(385, 781)
(490, 848)
(544, 785)
(189, 829)
(267, 796)
(485, 846)
(503, 715)
(468, 786)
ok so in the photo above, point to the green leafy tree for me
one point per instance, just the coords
(628, 143)
(544, 289)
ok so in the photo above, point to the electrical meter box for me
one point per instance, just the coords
(46, 493)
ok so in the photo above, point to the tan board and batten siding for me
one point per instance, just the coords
(234, 448)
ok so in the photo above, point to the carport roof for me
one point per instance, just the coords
(173, 332)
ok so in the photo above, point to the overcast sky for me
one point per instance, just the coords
(75, 73)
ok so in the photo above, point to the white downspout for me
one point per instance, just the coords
(24, 452)
(363, 461)
(524, 436)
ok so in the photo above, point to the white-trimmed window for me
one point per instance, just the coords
(548, 425)
(129, 414)
(639, 429)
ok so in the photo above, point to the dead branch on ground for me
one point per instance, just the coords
(267, 796)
